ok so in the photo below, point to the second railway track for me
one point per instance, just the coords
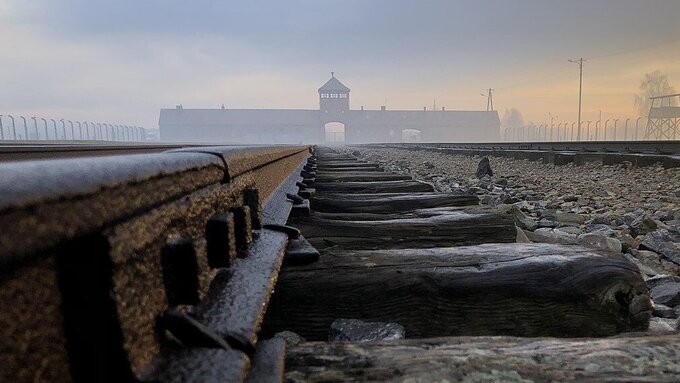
(191, 266)
(637, 153)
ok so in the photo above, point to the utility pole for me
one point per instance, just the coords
(580, 93)
(489, 99)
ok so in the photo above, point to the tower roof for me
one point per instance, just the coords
(333, 85)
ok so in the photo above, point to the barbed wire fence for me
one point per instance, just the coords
(613, 129)
(21, 128)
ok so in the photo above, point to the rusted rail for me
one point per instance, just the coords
(29, 151)
(147, 267)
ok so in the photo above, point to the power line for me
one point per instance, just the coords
(542, 76)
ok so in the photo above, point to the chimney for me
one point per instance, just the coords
(424, 108)
(383, 107)
(443, 109)
(362, 107)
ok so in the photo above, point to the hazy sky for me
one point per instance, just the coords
(122, 60)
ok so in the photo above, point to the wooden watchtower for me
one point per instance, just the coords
(664, 118)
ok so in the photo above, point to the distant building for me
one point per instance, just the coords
(334, 121)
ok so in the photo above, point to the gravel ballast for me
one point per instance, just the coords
(634, 210)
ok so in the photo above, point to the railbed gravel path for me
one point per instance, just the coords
(633, 210)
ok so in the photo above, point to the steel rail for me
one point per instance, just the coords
(638, 153)
(99, 255)
(36, 151)
(642, 147)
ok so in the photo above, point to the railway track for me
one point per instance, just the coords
(147, 267)
(620, 147)
(184, 265)
(637, 153)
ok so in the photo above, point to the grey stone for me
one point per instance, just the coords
(643, 225)
(546, 235)
(664, 242)
(570, 230)
(645, 270)
(673, 225)
(504, 208)
(521, 236)
(570, 217)
(502, 181)
(628, 242)
(546, 223)
(666, 294)
(663, 311)
(567, 206)
(487, 199)
(580, 210)
(570, 198)
(628, 218)
(523, 221)
(656, 262)
(600, 228)
(552, 205)
(600, 220)
(289, 337)
(543, 212)
(662, 215)
(600, 241)
(660, 225)
(661, 279)
(524, 205)
(624, 229)
(484, 168)
(662, 325)
(355, 330)
(507, 199)
(485, 183)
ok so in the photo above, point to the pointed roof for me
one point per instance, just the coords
(333, 85)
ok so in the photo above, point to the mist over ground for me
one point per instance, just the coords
(123, 61)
